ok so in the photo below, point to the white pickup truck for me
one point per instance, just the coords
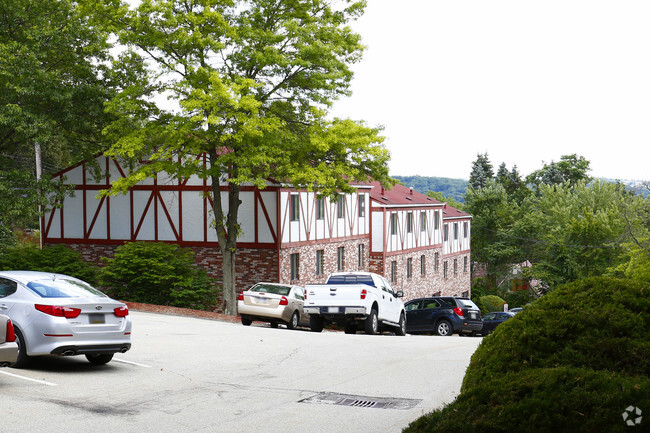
(353, 299)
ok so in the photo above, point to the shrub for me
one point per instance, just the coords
(56, 259)
(490, 303)
(158, 273)
(574, 360)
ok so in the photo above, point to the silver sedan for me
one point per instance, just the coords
(56, 314)
(273, 303)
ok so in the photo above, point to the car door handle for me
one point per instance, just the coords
(3, 307)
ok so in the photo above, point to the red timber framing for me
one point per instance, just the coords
(156, 211)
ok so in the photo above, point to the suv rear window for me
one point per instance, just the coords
(467, 303)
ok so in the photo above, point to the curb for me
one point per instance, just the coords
(177, 311)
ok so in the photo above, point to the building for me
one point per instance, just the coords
(288, 235)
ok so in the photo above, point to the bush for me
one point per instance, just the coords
(56, 259)
(158, 273)
(490, 303)
(573, 360)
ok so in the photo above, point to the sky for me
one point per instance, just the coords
(524, 81)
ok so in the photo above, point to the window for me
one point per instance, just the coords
(423, 221)
(320, 208)
(436, 258)
(393, 223)
(361, 251)
(436, 220)
(7, 287)
(423, 265)
(409, 222)
(393, 271)
(465, 264)
(320, 261)
(340, 259)
(295, 265)
(444, 269)
(455, 266)
(455, 231)
(341, 206)
(295, 207)
(362, 205)
(465, 229)
(446, 235)
(409, 267)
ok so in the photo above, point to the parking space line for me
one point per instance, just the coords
(132, 363)
(43, 382)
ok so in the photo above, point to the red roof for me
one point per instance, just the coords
(400, 195)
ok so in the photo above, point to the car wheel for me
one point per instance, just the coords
(350, 328)
(293, 322)
(100, 359)
(372, 323)
(401, 330)
(316, 323)
(23, 358)
(444, 328)
(246, 321)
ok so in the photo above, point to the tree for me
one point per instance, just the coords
(52, 92)
(570, 170)
(482, 171)
(249, 84)
(493, 217)
(578, 231)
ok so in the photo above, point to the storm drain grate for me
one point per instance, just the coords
(362, 401)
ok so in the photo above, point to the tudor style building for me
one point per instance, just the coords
(421, 245)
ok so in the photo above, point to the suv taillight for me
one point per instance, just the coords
(55, 310)
(11, 334)
(121, 311)
(364, 293)
(458, 311)
(284, 301)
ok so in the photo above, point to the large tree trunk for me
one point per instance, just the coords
(227, 233)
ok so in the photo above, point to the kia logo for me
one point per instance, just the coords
(99, 307)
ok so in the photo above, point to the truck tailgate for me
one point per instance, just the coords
(343, 295)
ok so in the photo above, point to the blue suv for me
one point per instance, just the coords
(443, 315)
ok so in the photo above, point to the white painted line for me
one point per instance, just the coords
(132, 363)
(43, 382)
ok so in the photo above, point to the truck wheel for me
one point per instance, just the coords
(372, 323)
(401, 330)
(316, 323)
(350, 328)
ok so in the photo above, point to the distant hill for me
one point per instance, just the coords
(454, 188)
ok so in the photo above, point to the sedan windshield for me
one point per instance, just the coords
(269, 288)
(62, 288)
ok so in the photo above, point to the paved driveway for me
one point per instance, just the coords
(195, 375)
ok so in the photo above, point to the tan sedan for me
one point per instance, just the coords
(273, 303)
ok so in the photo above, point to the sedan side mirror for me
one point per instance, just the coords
(399, 294)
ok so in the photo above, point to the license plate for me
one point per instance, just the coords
(96, 319)
(332, 309)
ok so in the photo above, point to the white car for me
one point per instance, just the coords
(55, 314)
(273, 303)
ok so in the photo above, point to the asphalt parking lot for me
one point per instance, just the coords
(195, 375)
